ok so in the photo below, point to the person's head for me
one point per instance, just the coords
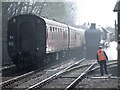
(100, 47)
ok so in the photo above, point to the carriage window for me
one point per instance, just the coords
(53, 29)
(60, 30)
(56, 29)
(50, 29)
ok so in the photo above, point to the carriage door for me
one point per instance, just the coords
(26, 36)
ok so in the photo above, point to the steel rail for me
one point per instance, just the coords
(90, 69)
(11, 81)
(54, 76)
(80, 77)
(70, 68)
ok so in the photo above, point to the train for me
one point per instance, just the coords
(34, 41)
(95, 37)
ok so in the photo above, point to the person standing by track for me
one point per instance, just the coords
(101, 59)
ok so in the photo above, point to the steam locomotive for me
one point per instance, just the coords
(93, 39)
(35, 41)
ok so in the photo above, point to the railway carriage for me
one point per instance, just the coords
(36, 41)
(77, 41)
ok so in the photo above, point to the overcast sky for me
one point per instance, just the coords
(98, 11)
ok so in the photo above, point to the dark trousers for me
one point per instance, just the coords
(103, 66)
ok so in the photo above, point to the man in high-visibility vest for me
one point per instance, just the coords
(101, 58)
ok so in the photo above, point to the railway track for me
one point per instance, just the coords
(71, 75)
(10, 72)
(13, 82)
(68, 78)
(7, 69)
(44, 79)
(4, 67)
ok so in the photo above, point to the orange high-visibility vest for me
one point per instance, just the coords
(101, 55)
